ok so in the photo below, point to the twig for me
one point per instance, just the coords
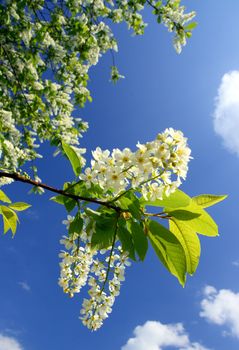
(21, 178)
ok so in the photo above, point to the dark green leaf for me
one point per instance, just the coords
(139, 238)
(104, 232)
(76, 225)
(126, 239)
(69, 203)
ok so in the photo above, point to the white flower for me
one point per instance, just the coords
(68, 221)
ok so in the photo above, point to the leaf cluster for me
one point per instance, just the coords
(9, 210)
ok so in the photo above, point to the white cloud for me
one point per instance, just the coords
(155, 335)
(226, 113)
(24, 286)
(221, 307)
(9, 343)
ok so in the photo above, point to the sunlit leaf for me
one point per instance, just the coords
(10, 219)
(73, 158)
(19, 206)
(4, 197)
(189, 241)
(169, 250)
(191, 26)
(195, 218)
(175, 200)
(207, 200)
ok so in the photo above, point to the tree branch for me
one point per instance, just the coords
(24, 179)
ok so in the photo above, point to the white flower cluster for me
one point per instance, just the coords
(80, 265)
(157, 167)
(174, 18)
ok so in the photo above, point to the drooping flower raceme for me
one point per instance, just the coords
(175, 18)
(97, 308)
(80, 265)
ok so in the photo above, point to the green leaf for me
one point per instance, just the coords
(58, 199)
(189, 241)
(94, 214)
(69, 203)
(191, 26)
(131, 203)
(104, 233)
(183, 214)
(76, 225)
(73, 158)
(79, 188)
(19, 206)
(4, 197)
(175, 200)
(195, 218)
(139, 238)
(169, 250)
(126, 239)
(10, 219)
(207, 200)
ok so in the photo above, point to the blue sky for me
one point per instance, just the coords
(161, 89)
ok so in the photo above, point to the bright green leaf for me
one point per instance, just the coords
(10, 219)
(169, 250)
(73, 158)
(175, 200)
(207, 200)
(191, 26)
(4, 197)
(195, 218)
(189, 241)
(19, 206)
